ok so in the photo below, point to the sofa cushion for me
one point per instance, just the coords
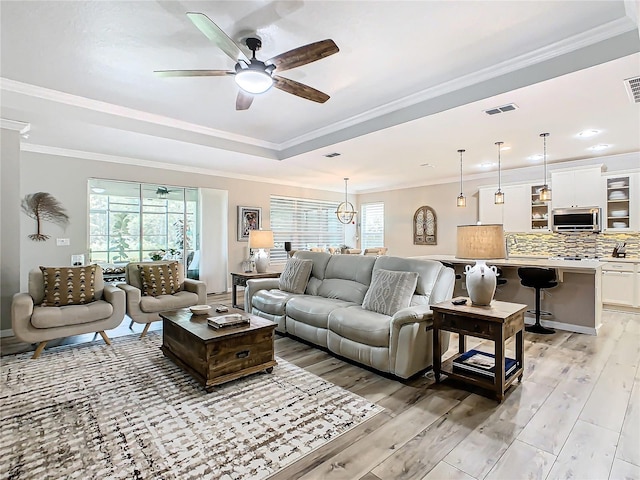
(313, 310)
(429, 271)
(163, 303)
(347, 278)
(50, 317)
(390, 291)
(159, 279)
(271, 301)
(68, 285)
(360, 325)
(295, 275)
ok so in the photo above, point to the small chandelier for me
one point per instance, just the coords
(345, 211)
(545, 191)
(498, 197)
(462, 201)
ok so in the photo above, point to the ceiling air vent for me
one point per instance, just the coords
(504, 108)
(331, 155)
(633, 89)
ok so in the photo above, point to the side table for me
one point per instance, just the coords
(240, 280)
(498, 322)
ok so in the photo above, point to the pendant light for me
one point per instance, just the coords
(462, 201)
(345, 211)
(498, 197)
(545, 191)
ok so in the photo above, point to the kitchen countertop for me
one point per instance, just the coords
(584, 266)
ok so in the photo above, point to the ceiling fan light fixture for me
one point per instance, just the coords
(254, 81)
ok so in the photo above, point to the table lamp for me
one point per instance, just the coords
(480, 243)
(261, 240)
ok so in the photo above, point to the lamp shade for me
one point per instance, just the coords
(480, 242)
(260, 239)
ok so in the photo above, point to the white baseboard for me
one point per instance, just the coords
(6, 333)
(562, 326)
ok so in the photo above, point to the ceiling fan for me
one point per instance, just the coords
(253, 76)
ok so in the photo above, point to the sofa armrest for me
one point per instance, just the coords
(198, 287)
(117, 298)
(417, 313)
(256, 285)
(21, 311)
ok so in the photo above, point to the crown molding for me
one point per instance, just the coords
(15, 125)
(125, 112)
(562, 47)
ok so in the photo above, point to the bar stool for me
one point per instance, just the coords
(538, 278)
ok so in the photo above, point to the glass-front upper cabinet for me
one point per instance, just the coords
(539, 210)
(621, 207)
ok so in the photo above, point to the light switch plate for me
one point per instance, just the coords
(63, 242)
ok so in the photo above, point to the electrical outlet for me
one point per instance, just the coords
(63, 242)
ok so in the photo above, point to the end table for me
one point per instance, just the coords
(498, 322)
(240, 280)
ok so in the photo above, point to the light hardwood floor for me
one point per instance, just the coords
(576, 414)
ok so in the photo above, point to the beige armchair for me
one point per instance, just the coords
(34, 322)
(146, 308)
(376, 251)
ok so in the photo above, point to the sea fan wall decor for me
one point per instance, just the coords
(43, 206)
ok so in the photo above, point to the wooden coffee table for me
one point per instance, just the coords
(213, 356)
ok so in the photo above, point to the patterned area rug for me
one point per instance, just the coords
(127, 412)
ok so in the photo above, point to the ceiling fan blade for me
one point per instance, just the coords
(217, 36)
(299, 89)
(193, 73)
(303, 55)
(243, 100)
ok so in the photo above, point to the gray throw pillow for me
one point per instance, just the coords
(295, 275)
(390, 291)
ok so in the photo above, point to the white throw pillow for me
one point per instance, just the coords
(390, 291)
(295, 275)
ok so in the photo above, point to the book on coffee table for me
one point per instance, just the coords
(231, 320)
(481, 363)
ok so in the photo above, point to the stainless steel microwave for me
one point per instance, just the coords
(577, 219)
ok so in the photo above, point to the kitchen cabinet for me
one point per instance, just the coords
(621, 204)
(620, 284)
(514, 214)
(539, 210)
(576, 188)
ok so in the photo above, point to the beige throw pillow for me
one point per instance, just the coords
(295, 275)
(68, 285)
(390, 291)
(160, 279)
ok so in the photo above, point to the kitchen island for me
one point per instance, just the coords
(575, 304)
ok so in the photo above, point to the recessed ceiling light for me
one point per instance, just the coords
(97, 190)
(600, 146)
(487, 164)
(428, 165)
(536, 157)
(588, 133)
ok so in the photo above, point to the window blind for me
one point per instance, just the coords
(305, 223)
(372, 225)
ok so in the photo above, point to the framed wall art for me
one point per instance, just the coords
(425, 226)
(249, 218)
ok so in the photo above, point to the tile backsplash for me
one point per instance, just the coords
(570, 244)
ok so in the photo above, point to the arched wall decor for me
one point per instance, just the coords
(425, 226)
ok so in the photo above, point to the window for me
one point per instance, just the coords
(131, 222)
(372, 230)
(305, 223)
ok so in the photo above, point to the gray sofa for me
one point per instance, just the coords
(330, 312)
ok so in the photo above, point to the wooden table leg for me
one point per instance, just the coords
(437, 354)
(462, 343)
(234, 292)
(520, 352)
(499, 354)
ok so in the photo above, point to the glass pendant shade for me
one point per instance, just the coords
(345, 211)
(498, 197)
(461, 201)
(545, 192)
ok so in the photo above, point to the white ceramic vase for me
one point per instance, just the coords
(481, 282)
